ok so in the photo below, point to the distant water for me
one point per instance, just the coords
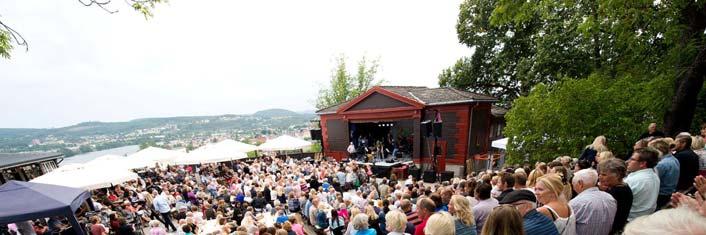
(82, 158)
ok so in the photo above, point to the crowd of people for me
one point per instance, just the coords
(660, 188)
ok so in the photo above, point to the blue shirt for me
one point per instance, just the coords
(668, 172)
(463, 229)
(536, 223)
(282, 218)
(369, 231)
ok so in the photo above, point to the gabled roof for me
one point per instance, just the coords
(439, 96)
(419, 94)
(8, 160)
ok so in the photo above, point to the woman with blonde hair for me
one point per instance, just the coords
(372, 218)
(360, 225)
(605, 155)
(503, 220)
(464, 222)
(349, 229)
(550, 192)
(441, 223)
(591, 151)
(395, 222)
(532, 177)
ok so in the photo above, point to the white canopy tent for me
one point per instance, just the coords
(234, 146)
(117, 162)
(211, 154)
(87, 178)
(152, 155)
(499, 143)
(284, 142)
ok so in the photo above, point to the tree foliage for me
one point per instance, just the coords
(9, 36)
(344, 86)
(583, 68)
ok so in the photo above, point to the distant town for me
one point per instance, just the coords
(171, 132)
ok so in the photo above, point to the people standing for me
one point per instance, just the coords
(643, 182)
(161, 204)
(612, 172)
(533, 222)
(549, 192)
(594, 209)
(425, 207)
(464, 222)
(485, 205)
(688, 162)
(667, 170)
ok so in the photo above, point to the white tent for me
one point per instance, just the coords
(210, 154)
(87, 178)
(117, 162)
(499, 143)
(152, 155)
(234, 146)
(284, 142)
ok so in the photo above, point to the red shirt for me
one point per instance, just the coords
(419, 229)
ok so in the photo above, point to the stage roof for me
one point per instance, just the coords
(426, 96)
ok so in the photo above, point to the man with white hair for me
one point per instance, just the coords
(594, 209)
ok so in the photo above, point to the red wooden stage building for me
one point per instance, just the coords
(469, 122)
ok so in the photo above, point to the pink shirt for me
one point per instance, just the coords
(158, 231)
(298, 229)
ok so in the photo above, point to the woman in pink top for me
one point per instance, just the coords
(297, 224)
(97, 228)
(156, 228)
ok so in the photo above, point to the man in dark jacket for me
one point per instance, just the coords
(688, 162)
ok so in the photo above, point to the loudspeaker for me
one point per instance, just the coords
(316, 134)
(429, 177)
(437, 129)
(446, 175)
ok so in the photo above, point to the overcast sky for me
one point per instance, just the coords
(203, 57)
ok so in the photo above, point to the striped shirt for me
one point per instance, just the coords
(535, 223)
(594, 210)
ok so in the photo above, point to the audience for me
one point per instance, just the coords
(503, 220)
(464, 222)
(533, 222)
(270, 196)
(643, 182)
(441, 223)
(612, 172)
(549, 192)
(594, 209)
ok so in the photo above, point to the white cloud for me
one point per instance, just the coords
(209, 57)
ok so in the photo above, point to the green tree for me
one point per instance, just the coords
(585, 68)
(658, 39)
(147, 144)
(510, 57)
(9, 36)
(343, 86)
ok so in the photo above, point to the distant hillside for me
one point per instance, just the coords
(116, 134)
(276, 113)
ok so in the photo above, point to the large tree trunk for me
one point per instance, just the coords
(679, 116)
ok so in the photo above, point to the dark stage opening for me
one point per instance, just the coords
(383, 140)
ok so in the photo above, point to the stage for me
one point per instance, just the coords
(384, 168)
